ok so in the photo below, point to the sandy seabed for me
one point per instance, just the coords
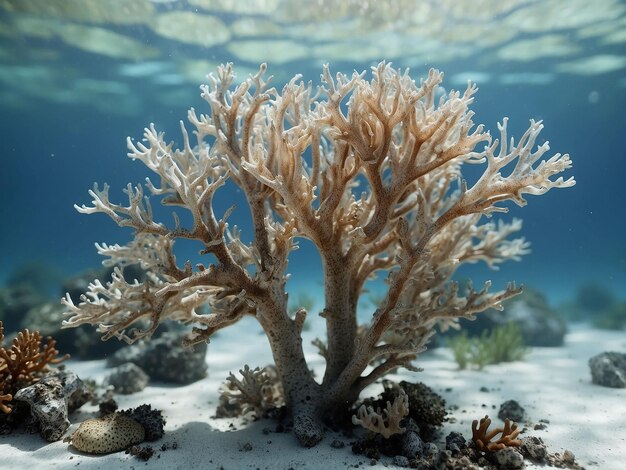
(552, 384)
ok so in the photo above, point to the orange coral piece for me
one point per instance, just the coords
(482, 438)
(6, 398)
(23, 362)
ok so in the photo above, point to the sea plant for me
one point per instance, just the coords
(503, 343)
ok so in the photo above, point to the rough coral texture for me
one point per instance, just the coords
(370, 172)
(111, 433)
(24, 363)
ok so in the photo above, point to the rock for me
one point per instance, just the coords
(164, 359)
(568, 457)
(431, 451)
(534, 448)
(51, 400)
(538, 323)
(508, 459)
(512, 410)
(412, 445)
(455, 442)
(151, 420)
(127, 378)
(426, 407)
(410, 425)
(111, 433)
(83, 341)
(400, 461)
(15, 302)
(609, 369)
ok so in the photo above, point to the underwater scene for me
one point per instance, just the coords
(313, 234)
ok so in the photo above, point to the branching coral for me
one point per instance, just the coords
(482, 438)
(370, 173)
(384, 422)
(257, 391)
(23, 363)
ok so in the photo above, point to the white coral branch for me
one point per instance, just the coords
(384, 422)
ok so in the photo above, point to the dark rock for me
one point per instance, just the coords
(455, 442)
(141, 452)
(127, 378)
(431, 450)
(164, 359)
(401, 461)
(15, 302)
(337, 444)
(412, 445)
(534, 448)
(538, 323)
(593, 297)
(151, 420)
(609, 369)
(426, 407)
(83, 341)
(512, 410)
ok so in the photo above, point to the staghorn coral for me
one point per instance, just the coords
(370, 171)
(482, 438)
(23, 363)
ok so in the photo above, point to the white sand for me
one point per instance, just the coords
(553, 384)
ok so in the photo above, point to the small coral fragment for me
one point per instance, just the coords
(112, 433)
(384, 422)
(482, 438)
(258, 391)
(24, 363)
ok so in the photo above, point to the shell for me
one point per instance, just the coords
(111, 433)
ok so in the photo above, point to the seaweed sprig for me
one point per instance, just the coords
(502, 344)
(24, 362)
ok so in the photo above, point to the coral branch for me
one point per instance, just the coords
(482, 438)
(384, 422)
(24, 362)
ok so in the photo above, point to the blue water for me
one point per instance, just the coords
(54, 145)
